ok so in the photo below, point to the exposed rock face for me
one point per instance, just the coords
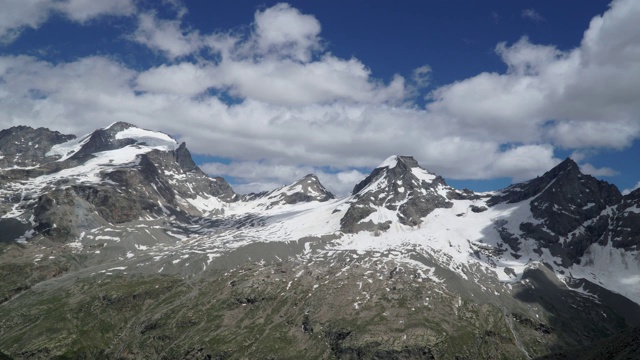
(63, 214)
(623, 346)
(307, 189)
(624, 224)
(570, 209)
(182, 157)
(104, 140)
(24, 146)
(183, 177)
(159, 179)
(401, 186)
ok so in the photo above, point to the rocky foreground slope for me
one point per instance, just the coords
(116, 245)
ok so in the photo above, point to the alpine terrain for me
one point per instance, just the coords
(116, 245)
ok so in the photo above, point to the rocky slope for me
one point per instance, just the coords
(116, 245)
(23, 146)
(306, 189)
(398, 188)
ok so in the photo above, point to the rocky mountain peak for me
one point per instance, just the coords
(561, 201)
(568, 166)
(119, 126)
(183, 157)
(306, 189)
(403, 162)
(24, 146)
(633, 196)
(398, 172)
(100, 140)
(310, 186)
(115, 136)
(566, 180)
(400, 185)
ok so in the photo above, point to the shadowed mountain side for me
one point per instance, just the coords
(622, 346)
(576, 317)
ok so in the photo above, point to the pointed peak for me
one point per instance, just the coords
(395, 160)
(310, 184)
(567, 167)
(568, 164)
(408, 161)
(183, 157)
(119, 126)
(306, 189)
(393, 171)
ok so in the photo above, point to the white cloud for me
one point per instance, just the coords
(20, 14)
(17, 15)
(582, 98)
(532, 14)
(274, 64)
(284, 31)
(287, 82)
(182, 79)
(587, 168)
(166, 36)
(524, 162)
(85, 10)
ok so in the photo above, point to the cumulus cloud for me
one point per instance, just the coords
(581, 98)
(587, 168)
(186, 79)
(273, 64)
(297, 108)
(18, 15)
(166, 36)
(284, 31)
(85, 10)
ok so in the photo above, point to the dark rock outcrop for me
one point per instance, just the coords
(399, 185)
(623, 346)
(568, 206)
(24, 146)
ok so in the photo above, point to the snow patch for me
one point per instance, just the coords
(390, 162)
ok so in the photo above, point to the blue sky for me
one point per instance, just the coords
(482, 92)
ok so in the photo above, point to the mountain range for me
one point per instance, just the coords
(117, 245)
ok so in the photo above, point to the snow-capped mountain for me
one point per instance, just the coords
(123, 173)
(131, 200)
(306, 189)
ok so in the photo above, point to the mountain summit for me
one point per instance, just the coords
(113, 175)
(307, 189)
(569, 209)
(397, 190)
